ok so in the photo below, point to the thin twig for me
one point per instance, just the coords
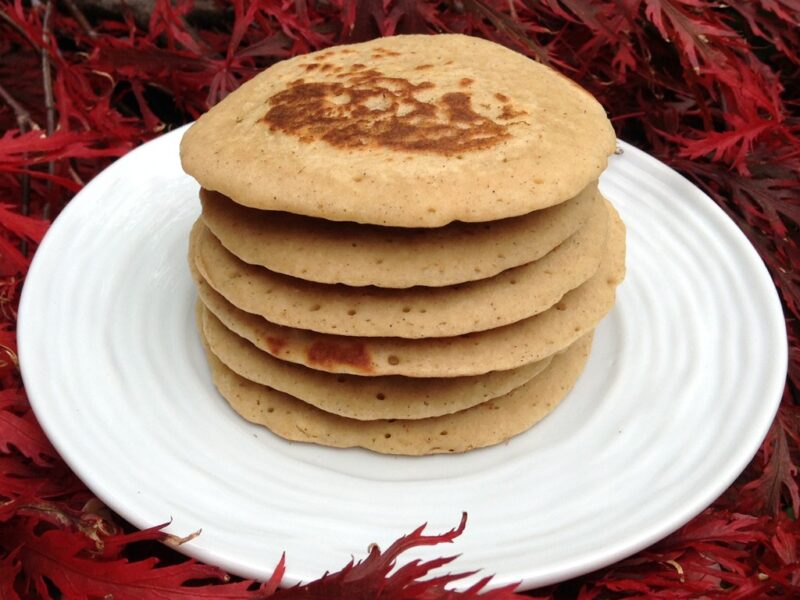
(80, 18)
(73, 172)
(25, 124)
(49, 102)
(47, 75)
(513, 10)
(19, 29)
(21, 113)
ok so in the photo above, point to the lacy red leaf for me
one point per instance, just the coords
(710, 88)
(19, 430)
(10, 569)
(779, 477)
(69, 561)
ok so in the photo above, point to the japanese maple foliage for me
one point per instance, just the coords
(711, 88)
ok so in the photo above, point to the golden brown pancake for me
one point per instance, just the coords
(486, 424)
(497, 349)
(390, 257)
(408, 131)
(419, 312)
(357, 397)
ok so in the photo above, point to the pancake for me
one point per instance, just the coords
(486, 424)
(407, 131)
(390, 257)
(356, 397)
(503, 348)
(419, 312)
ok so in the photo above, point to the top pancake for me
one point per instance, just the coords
(408, 131)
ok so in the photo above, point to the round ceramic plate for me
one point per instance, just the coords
(681, 386)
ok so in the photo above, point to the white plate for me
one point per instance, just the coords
(684, 379)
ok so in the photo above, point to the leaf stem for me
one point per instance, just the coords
(80, 18)
(25, 124)
(49, 102)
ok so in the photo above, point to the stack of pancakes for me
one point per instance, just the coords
(402, 246)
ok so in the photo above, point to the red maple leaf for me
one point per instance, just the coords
(10, 568)
(779, 477)
(18, 428)
(82, 565)
(25, 227)
(713, 81)
(689, 23)
(70, 561)
(731, 146)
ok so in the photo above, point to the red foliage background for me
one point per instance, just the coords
(710, 88)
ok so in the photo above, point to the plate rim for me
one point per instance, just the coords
(581, 564)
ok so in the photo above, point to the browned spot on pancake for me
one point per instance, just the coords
(311, 66)
(325, 67)
(509, 113)
(275, 345)
(423, 67)
(501, 97)
(466, 82)
(378, 52)
(330, 354)
(368, 109)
